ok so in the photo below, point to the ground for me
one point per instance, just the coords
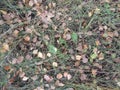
(60, 45)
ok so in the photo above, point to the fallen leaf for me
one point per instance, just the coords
(54, 64)
(77, 63)
(68, 36)
(94, 72)
(14, 61)
(40, 55)
(49, 54)
(25, 78)
(83, 77)
(15, 33)
(65, 74)
(97, 10)
(101, 56)
(21, 74)
(116, 34)
(117, 60)
(20, 59)
(97, 42)
(84, 59)
(78, 57)
(7, 67)
(48, 78)
(3, 11)
(69, 76)
(5, 46)
(28, 57)
(58, 83)
(34, 78)
(35, 52)
(79, 47)
(59, 76)
(27, 38)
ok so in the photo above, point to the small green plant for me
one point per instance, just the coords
(52, 49)
(74, 37)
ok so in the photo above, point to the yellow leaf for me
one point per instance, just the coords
(5, 47)
(3, 12)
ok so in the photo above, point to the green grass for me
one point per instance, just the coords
(81, 22)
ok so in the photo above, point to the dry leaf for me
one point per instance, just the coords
(40, 55)
(65, 74)
(35, 52)
(14, 61)
(79, 47)
(49, 54)
(21, 74)
(3, 11)
(39, 88)
(1, 22)
(59, 76)
(28, 57)
(84, 59)
(25, 78)
(77, 63)
(110, 34)
(20, 59)
(68, 36)
(116, 34)
(94, 72)
(83, 77)
(101, 56)
(78, 57)
(34, 78)
(7, 67)
(5, 46)
(48, 78)
(117, 60)
(98, 65)
(54, 64)
(27, 38)
(15, 33)
(58, 83)
(97, 42)
(69, 77)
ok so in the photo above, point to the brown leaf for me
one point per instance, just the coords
(15, 33)
(97, 42)
(27, 38)
(116, 34)
(48, 78)
(117, 60)
(7, 67)
(84, 59)
(6, 46)
(68, 36)
(20, 59)
(59, 76)
(58, 83)
(28, 57)
(77, 63)
(94, 72)
(79, 47)
(14, 61)
(83, 77)
(101, 56)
